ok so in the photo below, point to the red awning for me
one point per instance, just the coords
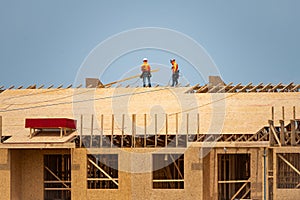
(50, 123)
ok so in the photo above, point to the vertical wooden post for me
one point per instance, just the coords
(155, 130)
(272, 113)
(176, 129)
(122, 138)
(101, 132)
(187, 126)
(293, 133)
(112, 130)
(92, 129)
(0, 129)
(145, 128)
(198, 126)
(294, 112)
(133, 130)
(271, 134)
(282, 135)
(166, 137)
(81, 129)
(283, 113)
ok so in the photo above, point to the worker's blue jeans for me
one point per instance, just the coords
(175, 77)
(146, 75)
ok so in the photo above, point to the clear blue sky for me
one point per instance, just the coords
(45, 42)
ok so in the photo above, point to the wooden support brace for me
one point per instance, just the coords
(275, 87)
(234, 88)
(265, 88)
(123, 124)
(282, 133)
(104, 172)
(239, 190)
(112, 130)
(289, 164)
(255, 87)
(286, 87)
(293, 133)
(101, 130)
(273, 131)
(145, 130)
(81, 129)
(245, 87)
(155, 130)
(166, 137)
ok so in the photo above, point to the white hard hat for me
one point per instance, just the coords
(145, 59)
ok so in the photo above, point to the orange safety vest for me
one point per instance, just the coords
(145, 67)
(174, 67)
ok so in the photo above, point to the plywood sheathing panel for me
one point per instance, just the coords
(236, 113)
(5, 172)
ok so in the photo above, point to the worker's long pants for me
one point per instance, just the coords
(146, 75)
(174, 79)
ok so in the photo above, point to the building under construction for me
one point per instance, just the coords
(215, 141)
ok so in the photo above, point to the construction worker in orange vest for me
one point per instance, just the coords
(175, 72)
(146, 72)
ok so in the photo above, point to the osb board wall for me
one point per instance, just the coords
(16, 174)
(5, 174)
(135, 175)
(287, 194)
(229, 113)
(27, 173)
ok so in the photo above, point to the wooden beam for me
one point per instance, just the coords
(202, 89)
(296, 88)
(41, 86)
(101, 130)
(0, 129)
(176, 129)
(273, 131)
(234, 181)
(133, 130)
(79, 86)
(293, 133)
(239, 190)
(166, 137)
(169, 180)
(211, 90)
(275, 87)
(255, 87)
(81, 129)
(224, 88)
(53, 174)
(245, 87)
(145, 130)
(265, 87)
(286, 87)
(104, 172)
(69, 86)
(51, 86)
(282, 133)
(289, 164)
(192, 88)
(123, 124)
(112, 130)
(234, 88)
